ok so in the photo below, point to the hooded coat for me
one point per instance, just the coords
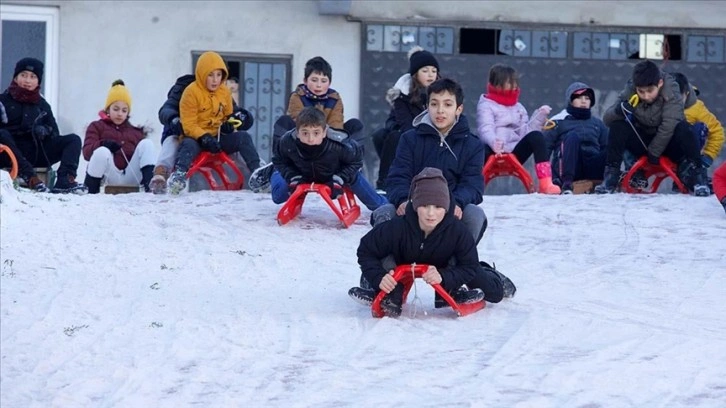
(696, 111)
(404, 110)
(202, 111)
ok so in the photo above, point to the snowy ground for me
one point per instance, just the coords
(203, 300)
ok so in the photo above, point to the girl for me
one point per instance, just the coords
(407, 99)
(504, 126)
(114, 148)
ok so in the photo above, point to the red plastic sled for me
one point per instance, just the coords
(506, 164)
(661, 172)
(404, 274)
(208, 163)
(346, 209)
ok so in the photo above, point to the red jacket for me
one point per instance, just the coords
(127, 135)
(719, 182)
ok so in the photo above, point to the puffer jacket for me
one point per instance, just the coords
(404, 110)
(125, 134)
(200, 110)
(331, 104)
(696, 111)
(592, 132)
(459, 155)
(657, 119)
(507, 123)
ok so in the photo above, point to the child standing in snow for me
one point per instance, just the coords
(505, 127)
(407, 99)
(316, 153)
(428, 233)
(205, 109)
(578, 139)
(114, 148)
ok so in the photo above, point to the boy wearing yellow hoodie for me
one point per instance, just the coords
(204, 110)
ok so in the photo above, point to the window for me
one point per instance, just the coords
(395, 38)
(703, 48)
(517, 43)
(618, 46)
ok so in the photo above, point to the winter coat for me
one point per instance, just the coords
(125, 134)
(339, 155)
(331, 106)
(507, 123)
(402, 238)
(460, 156)
(592, 132)
(170, 109)
(696, 111)
(658, 119)
(23, 117)
(404, 110)
(202, 111)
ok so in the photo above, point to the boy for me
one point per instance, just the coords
(428, 233)
(578, 139)
(205, 108)
(653, 125)
(440, 139)
(315, 91)
(316, 153)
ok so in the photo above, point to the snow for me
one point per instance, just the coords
(203, 300)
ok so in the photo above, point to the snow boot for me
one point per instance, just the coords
(177, 182)
(610, 181)
(36, 184)
(157, 185)
(362, 296)
(68, 184)
(147, 173)
(93, 184)
(465, 296)
(392, 303)
(260, 178)
(544, 174)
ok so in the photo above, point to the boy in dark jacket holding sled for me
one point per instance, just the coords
(316, 153)
(428, 233)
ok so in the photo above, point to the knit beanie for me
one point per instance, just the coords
(118, 92)
(429, 187)
(584, 91)
(419, 58)
(30, 64)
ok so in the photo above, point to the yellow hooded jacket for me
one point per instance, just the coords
(201, 110)
(698, 112)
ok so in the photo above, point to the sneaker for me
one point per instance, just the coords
(68, 184)
(566, 189)
(465, 296)
(610, 182)
(177, 182)
(638, 180)
(363, 296)
(260, 178)
(157, 185)
(35, 183)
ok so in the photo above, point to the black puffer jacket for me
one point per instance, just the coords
(402, 238)
(338, 154)
(170, 109)
(23, 117)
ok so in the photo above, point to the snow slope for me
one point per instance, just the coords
(203, 300)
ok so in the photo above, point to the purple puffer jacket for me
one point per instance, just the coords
(508, 123)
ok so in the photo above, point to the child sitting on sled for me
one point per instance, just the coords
(428, 233)
(315, 153)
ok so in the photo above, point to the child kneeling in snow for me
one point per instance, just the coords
(316, 153)
(114, 148)
(428, 233)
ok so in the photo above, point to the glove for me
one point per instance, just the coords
(175, 127)
(294, 181)
(243, 116)
(706, 160)
(41, 132)
(209, 143)
(111, 145)
(336, 186)
(652, 159)
(3, 114)
(226, 127)
(627, 110)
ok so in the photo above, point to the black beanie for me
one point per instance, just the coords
(584, 91)
(30, 64)
(430, 187)
(421, 58)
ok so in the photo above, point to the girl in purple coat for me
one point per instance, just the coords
(505, 127)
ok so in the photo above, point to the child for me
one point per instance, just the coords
(428, 233)
(700, 118)
(440, 139)
(504, 126)
(653, 125)
(579, 139)
(407, 99)
(33, 129)
(315, 91)
(114, 148)
(205, 108)
(719, 184)
(233, 85)
(169, 117)
(316, 153)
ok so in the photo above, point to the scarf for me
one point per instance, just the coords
(502, 97)
(23, 95)
(578, 113)
(310, 95)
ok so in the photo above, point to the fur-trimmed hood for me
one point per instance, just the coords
(401, 87)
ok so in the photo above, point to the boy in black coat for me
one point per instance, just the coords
(316, 153)
(428, 233)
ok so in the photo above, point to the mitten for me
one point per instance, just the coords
(336, 186)
(209, 143)
(175, 127)
(294, 181)
(111, 145)
(41, 132)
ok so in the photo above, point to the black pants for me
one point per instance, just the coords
(25, 168)
(64, 149)
(532, 142)
(622, 137)
(240, 141)
(388, 142)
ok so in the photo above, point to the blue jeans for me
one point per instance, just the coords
(360, 187)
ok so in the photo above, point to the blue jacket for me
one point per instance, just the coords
(460, 156)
